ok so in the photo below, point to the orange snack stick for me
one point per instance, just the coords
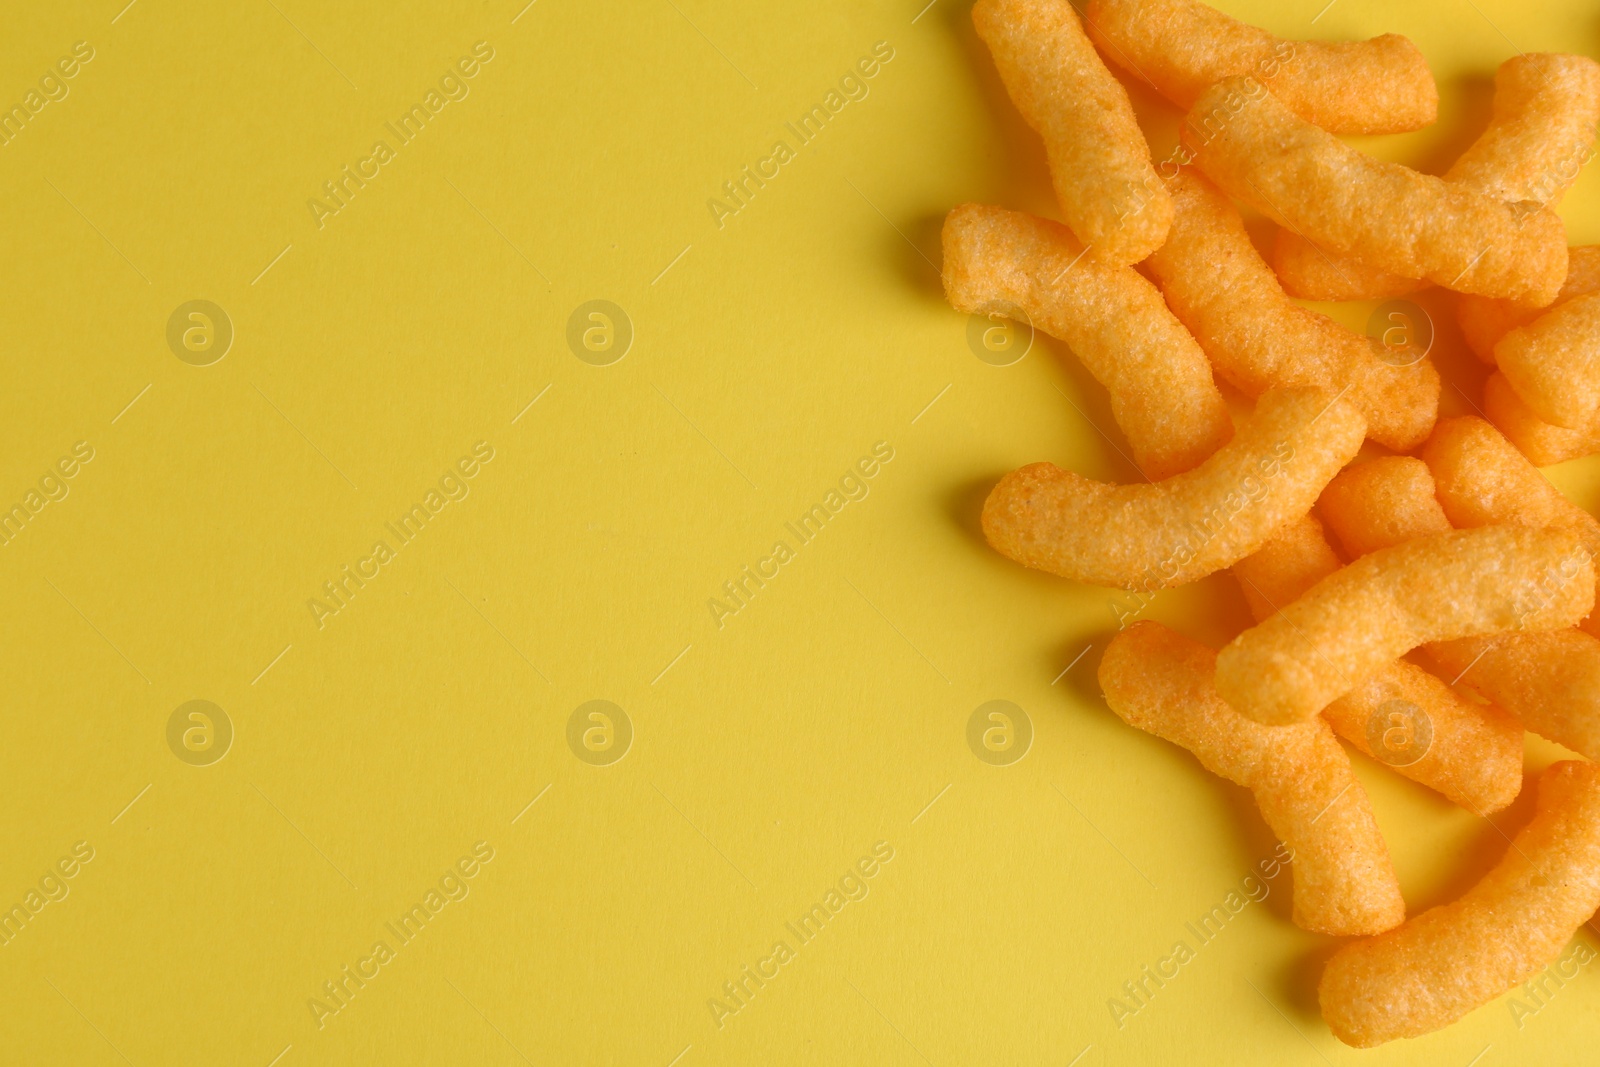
(1383, 502)
(1464, 583)
(1544, 443)
(1099, 160)
(1549, 681)
(1541, 129)
(1258, 339)
(1540, 133)
(1314, 273)
(1442, 964)
(1169, 533)
(1405, 717)
(1389, 216)
(1344, 881)
(1485, 320)
(1399, 714)
(1162, 393)
(1554, 362)
(1481, 479)
(1296, 559)
(1378, 86)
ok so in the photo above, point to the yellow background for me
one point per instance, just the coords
(768, 755)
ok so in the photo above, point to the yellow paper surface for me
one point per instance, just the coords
(418, 722)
